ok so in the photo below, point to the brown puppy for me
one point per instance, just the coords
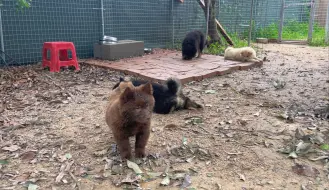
(114, 95)
(168, 96)
(129, 114)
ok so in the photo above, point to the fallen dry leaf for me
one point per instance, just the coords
(61, 172)
(303, 148)
(305, 170)
(257, 113)
(101, 153)
(242, 177)
(32, 187)
(210, 91)
(64, 157)
(187, 181)
(68, 165)
(299, 133)
(82, 171)
(218, 186)
(293, 155)
(165, 181)
(189, 160)
(22, 178)
(28, 156)
(193, 120)
(60, 176)
(11, 148)
(278, 84)
(2, 107)
(134, 166)
(171, 126)
(178, 176)
(130, 178)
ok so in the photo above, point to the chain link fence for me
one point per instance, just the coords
(24, 32)
(159, 23)
(321, 22)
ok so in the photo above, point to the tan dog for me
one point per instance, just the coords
(129, 113)
(241, 54)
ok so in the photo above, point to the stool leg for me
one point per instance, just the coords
(74, 58)
(54, 66)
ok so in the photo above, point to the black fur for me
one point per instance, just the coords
(173, 85)
(168, 97)
(193, 43)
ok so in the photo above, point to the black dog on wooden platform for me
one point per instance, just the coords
(168, 96)
(193, 45)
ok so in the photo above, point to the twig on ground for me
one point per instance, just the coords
(233, 153)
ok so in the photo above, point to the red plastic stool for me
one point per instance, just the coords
(59, 56)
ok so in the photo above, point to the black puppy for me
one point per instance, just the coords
(193, 44)
(168, 97)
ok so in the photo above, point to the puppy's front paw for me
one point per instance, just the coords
(125, 155)
(140, 153)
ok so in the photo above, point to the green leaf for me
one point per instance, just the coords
(209, 175)
(210, 91)
(184, 141)
(153, 175)
(134, 166)
(324, 147)
(68, 156)
(293, 155)
(3, 162)
(32, 187)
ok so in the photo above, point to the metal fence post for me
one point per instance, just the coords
(281, 21)
(173, 24)
(310, 24)
(102, 9)
(327, 25)
(207, 20)
(1, 38)
(250, 24)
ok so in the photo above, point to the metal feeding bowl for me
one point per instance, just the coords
(108, 40)
(262, 40)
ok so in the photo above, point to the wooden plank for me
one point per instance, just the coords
(224, 34)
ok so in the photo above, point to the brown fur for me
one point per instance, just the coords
(168, 96)
(116, 92)
(129, 114)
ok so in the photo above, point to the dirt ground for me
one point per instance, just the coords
(52, 128)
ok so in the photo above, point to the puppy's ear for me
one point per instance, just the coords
(127, 95)
(121, 79)
(147, 88)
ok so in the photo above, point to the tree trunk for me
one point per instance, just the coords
(212, 26)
